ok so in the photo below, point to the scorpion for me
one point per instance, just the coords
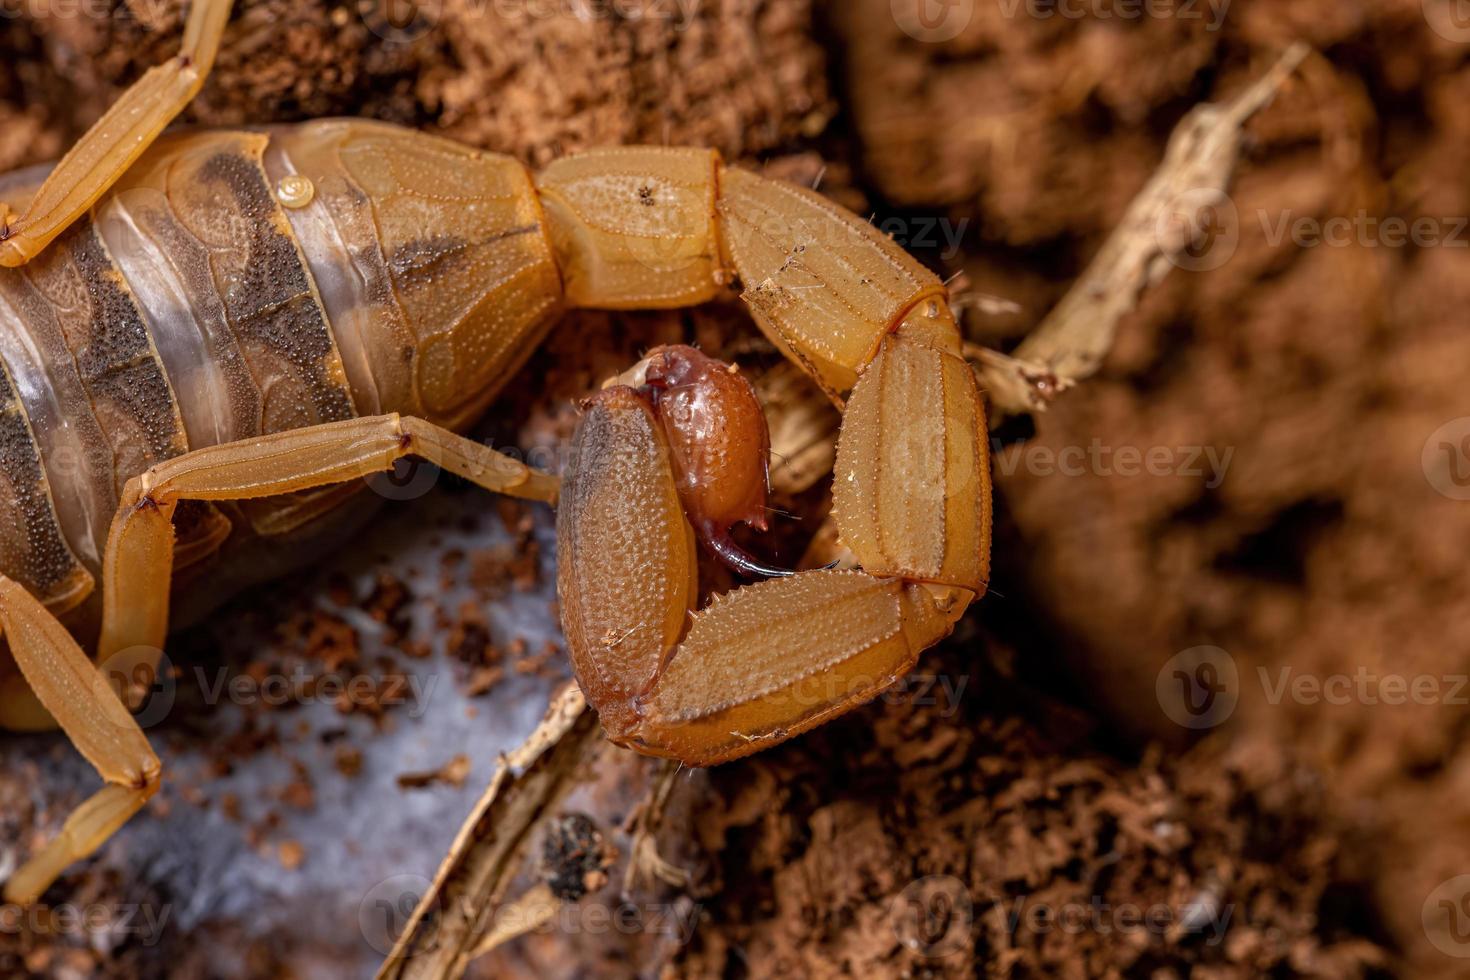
(209, 339)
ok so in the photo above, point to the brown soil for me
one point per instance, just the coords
(1041, 776)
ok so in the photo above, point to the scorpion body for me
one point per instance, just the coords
(215, 294)
(208, 339)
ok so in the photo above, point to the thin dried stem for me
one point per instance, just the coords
(1158, 227)
(645, 822)
(448, 926)
(529, 912)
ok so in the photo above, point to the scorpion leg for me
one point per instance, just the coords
(136, 573)
(138, 562)
(88, 710)
(125, 131)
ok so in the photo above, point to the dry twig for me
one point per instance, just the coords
(447, 928)
(644, 825)
(1161, 222)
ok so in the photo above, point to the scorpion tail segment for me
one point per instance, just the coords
(626, 559)
(911, 490)
(120, 137)
(634, 227)
(823, 284)
(85, 705)
(769, 661)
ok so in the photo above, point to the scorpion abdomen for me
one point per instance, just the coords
(239, 283)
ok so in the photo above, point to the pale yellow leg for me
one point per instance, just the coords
(139, 561)
(115, 141)
(135, 576)
(84, 704)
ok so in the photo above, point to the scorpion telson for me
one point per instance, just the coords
(208, 339)
(718, 444)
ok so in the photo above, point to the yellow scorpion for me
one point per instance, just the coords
(209, 338)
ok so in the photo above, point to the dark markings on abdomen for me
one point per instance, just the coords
(32, 549)
(272, 307)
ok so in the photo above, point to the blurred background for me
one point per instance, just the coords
(1211, 722)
